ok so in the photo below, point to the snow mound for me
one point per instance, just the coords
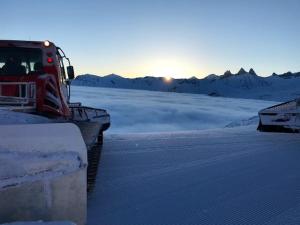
(10, 117)
(39, 223)
(39, 151)
(29, 167)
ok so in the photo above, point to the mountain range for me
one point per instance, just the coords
(277, 87)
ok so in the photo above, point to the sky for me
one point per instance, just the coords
(175, 38)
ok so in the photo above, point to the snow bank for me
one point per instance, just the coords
(30, 167)
(10, 117)
(42, 173)
(146, 111)
(39, 223)
(37, 152)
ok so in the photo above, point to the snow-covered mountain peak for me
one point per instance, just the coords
(113, 76)
(241, 71)
(211, 77)
(246, 81)
(227, 74)
(252, 72)
(246, 85)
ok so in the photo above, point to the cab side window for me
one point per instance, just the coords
(62, 68)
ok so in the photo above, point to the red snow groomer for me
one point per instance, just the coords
(284, 118)
(35, 81)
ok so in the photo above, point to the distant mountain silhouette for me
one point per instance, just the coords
(241, 71)
(252, 72)
(243, 84)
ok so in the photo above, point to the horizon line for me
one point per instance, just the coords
(185, 77)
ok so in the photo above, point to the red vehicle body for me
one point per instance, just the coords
(43, 80)
(35, 96)
(33, 80)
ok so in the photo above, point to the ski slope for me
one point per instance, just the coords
(231, 176)
(167, 159)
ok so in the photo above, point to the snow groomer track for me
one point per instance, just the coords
(228, 176)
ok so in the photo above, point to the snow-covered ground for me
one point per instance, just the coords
(172, 158)
(186, 172)
(229, 176)
(10, 117)
(39, 223)
(42, 173)
(26, 155)
(148, 111)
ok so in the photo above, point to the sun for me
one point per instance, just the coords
(168, 79)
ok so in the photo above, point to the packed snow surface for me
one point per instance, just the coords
(39, 223)
(30, 167)
(148, 111)
(229, 176)
(10, 117)
(34, 152)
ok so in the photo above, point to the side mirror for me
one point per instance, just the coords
(70, 71)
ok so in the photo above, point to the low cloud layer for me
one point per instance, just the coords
(147, 111)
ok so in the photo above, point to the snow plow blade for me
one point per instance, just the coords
(42, 173)
(283, 118)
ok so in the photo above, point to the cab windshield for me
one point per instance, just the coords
(20, 61)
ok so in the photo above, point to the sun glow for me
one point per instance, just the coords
(170, 67)
(168, 79)
(167, 70)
